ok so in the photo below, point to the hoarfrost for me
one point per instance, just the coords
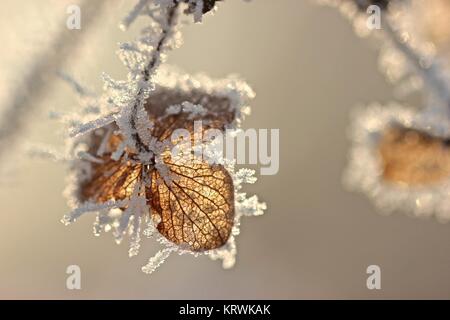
(121, 111)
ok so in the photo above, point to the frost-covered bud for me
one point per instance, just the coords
(205, 5)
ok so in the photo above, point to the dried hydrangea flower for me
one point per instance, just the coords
(205, 191)
(122, 164)
(399, 156)
(401, 160)
(191, 205)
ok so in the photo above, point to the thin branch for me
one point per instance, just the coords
(14, 116)
(131, 17)
(431, 75)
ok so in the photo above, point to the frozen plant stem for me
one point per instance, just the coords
(168, 24)
(430, 73)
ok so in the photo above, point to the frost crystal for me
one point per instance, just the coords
(157, 260)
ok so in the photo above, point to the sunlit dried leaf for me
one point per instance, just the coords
(195, 209)
(111, 180)
(413, 157)
(218, 115)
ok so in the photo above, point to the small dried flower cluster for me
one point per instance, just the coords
(120, 154)
(400, 155)
(398, 161)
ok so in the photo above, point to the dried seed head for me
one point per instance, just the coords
(414, 158)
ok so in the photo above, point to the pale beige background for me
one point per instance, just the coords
(315, 241)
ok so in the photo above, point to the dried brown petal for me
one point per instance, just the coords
(218, 115)
(164, 97)
(111, 180)
(195, 209)
(414, 158)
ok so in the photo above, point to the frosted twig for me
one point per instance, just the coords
(92, 125)
(89, 157)
(14, 116)
(134, 13)
(104, 144)
(91, 207)
(79, 89)
(45, 152)
(155, 60)
(157, 260)
(431, 74)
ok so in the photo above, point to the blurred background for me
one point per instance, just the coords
(315, 240)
